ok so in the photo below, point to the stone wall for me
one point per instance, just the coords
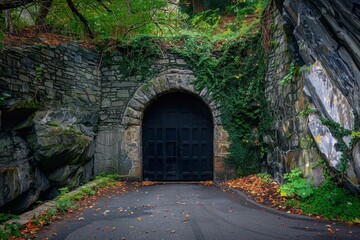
(74, 113)
(291, 144)
(123, 102)
(58, 75)
(323, 37)
(49, 123)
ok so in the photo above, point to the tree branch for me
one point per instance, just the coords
(44, 10)
(81, 17)
(8, 4)
(104, 6)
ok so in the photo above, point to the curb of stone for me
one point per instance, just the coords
(266, 208)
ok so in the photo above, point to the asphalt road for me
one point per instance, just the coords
(186, 212)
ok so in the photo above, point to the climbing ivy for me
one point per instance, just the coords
(339, 133)
(234, 73)
(229, 62)
(138, 54)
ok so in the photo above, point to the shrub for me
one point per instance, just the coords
(296, 185)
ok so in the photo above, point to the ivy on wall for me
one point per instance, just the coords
(230, 63)
(234, 73)
(137, 55)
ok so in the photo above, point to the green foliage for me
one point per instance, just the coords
(65, 205)
(223, 6)
(355, 134)
(9, 229)
(206, 20)
(234, 73)
(3, 97)
(296, 185)
(7, 216)
(67, 200)
(88, 191)
(307, 142)
(39, 72)
(339, 133)
(12, 229)
(231, 65)
(144, 17)
(265, 177)
(292, 203)
(307, 111)
(355, 137)
(53, 123)
(137, 55)
(63, 191)
(289, 76)
(332, 202)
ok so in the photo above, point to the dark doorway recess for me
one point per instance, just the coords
(178, 139)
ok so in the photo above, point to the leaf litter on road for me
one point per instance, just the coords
(265, 192)
(90, 201)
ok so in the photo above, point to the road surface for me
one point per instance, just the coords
(188, 211)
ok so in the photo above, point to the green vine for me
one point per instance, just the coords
(339, 133)
(307, 111)
(234, 73)
(289, 76)
(137, 55)
(3, 97)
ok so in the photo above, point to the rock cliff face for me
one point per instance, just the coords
(47, 126)
(326, 36)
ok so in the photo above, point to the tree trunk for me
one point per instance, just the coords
(44, 11)
(8, 21)
(81, 17)
(198, 5)
(129, 7)
(8, 4)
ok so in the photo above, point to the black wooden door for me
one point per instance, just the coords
(178, 139)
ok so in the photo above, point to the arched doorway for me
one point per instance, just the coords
(177, 139)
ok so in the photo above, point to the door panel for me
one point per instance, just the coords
(177, 139)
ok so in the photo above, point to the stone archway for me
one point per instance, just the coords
(169, 81)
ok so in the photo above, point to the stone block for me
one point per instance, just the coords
(24, 78)
(105, 103)
(122, 93)
(180, 61)
(117, 103)
(135, 104)
(47, 52)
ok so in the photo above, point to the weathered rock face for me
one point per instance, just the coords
(327, 35)
(48, 126)
(60, 147)
(44, 151)
(19, 176)
(290, 143)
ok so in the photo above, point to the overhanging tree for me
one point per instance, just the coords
(93, 18)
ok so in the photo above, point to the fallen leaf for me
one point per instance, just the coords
(106, 212)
